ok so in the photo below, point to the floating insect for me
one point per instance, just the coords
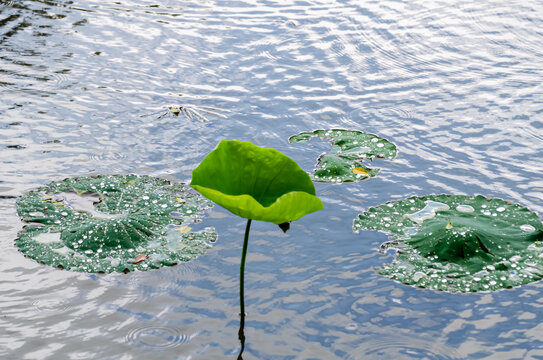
(196, 112)
(191, 112)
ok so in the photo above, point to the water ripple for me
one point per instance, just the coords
(51, 305)
(157, 337)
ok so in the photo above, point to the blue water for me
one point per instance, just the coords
(456, 85)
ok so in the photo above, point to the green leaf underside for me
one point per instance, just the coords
(459, 243)
(255, 183)
(102, 223)
(351, 148)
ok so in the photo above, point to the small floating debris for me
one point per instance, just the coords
(458, 243)
(99, 224)
(351, 148)
(17, 146)
(140, 258)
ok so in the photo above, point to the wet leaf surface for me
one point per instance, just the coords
(458, 243)
(102, 224)
(349, 149)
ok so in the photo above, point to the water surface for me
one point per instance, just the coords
(456, 85)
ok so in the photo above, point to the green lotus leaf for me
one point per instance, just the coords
(111, 223)
(351, 148)
(255, 183)
(459, 243)
(331, 168)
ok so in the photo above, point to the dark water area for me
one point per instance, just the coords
(85, 89)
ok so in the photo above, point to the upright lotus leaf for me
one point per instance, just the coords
(111, 223)
(255, 183)
(459, 243)
(351, 148)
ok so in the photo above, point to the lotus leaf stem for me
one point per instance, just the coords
(241, 288)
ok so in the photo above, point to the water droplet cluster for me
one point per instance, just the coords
(103, 223)
(350, 149)
(459, 243)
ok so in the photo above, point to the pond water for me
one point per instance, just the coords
(456, 85)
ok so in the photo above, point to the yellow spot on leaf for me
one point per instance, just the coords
(182, 201)
(183, 229)
(54, 202)
(359, 170)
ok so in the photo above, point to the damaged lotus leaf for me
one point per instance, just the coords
(350, 149)
(255, 183)
(112, 223)
(459, 243)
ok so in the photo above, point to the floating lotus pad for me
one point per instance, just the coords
(459, 243)
(113, 223)
(351, 148)
(255, 183)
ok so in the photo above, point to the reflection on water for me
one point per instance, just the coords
(455, 85)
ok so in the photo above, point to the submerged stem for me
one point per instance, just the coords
(241, 334)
